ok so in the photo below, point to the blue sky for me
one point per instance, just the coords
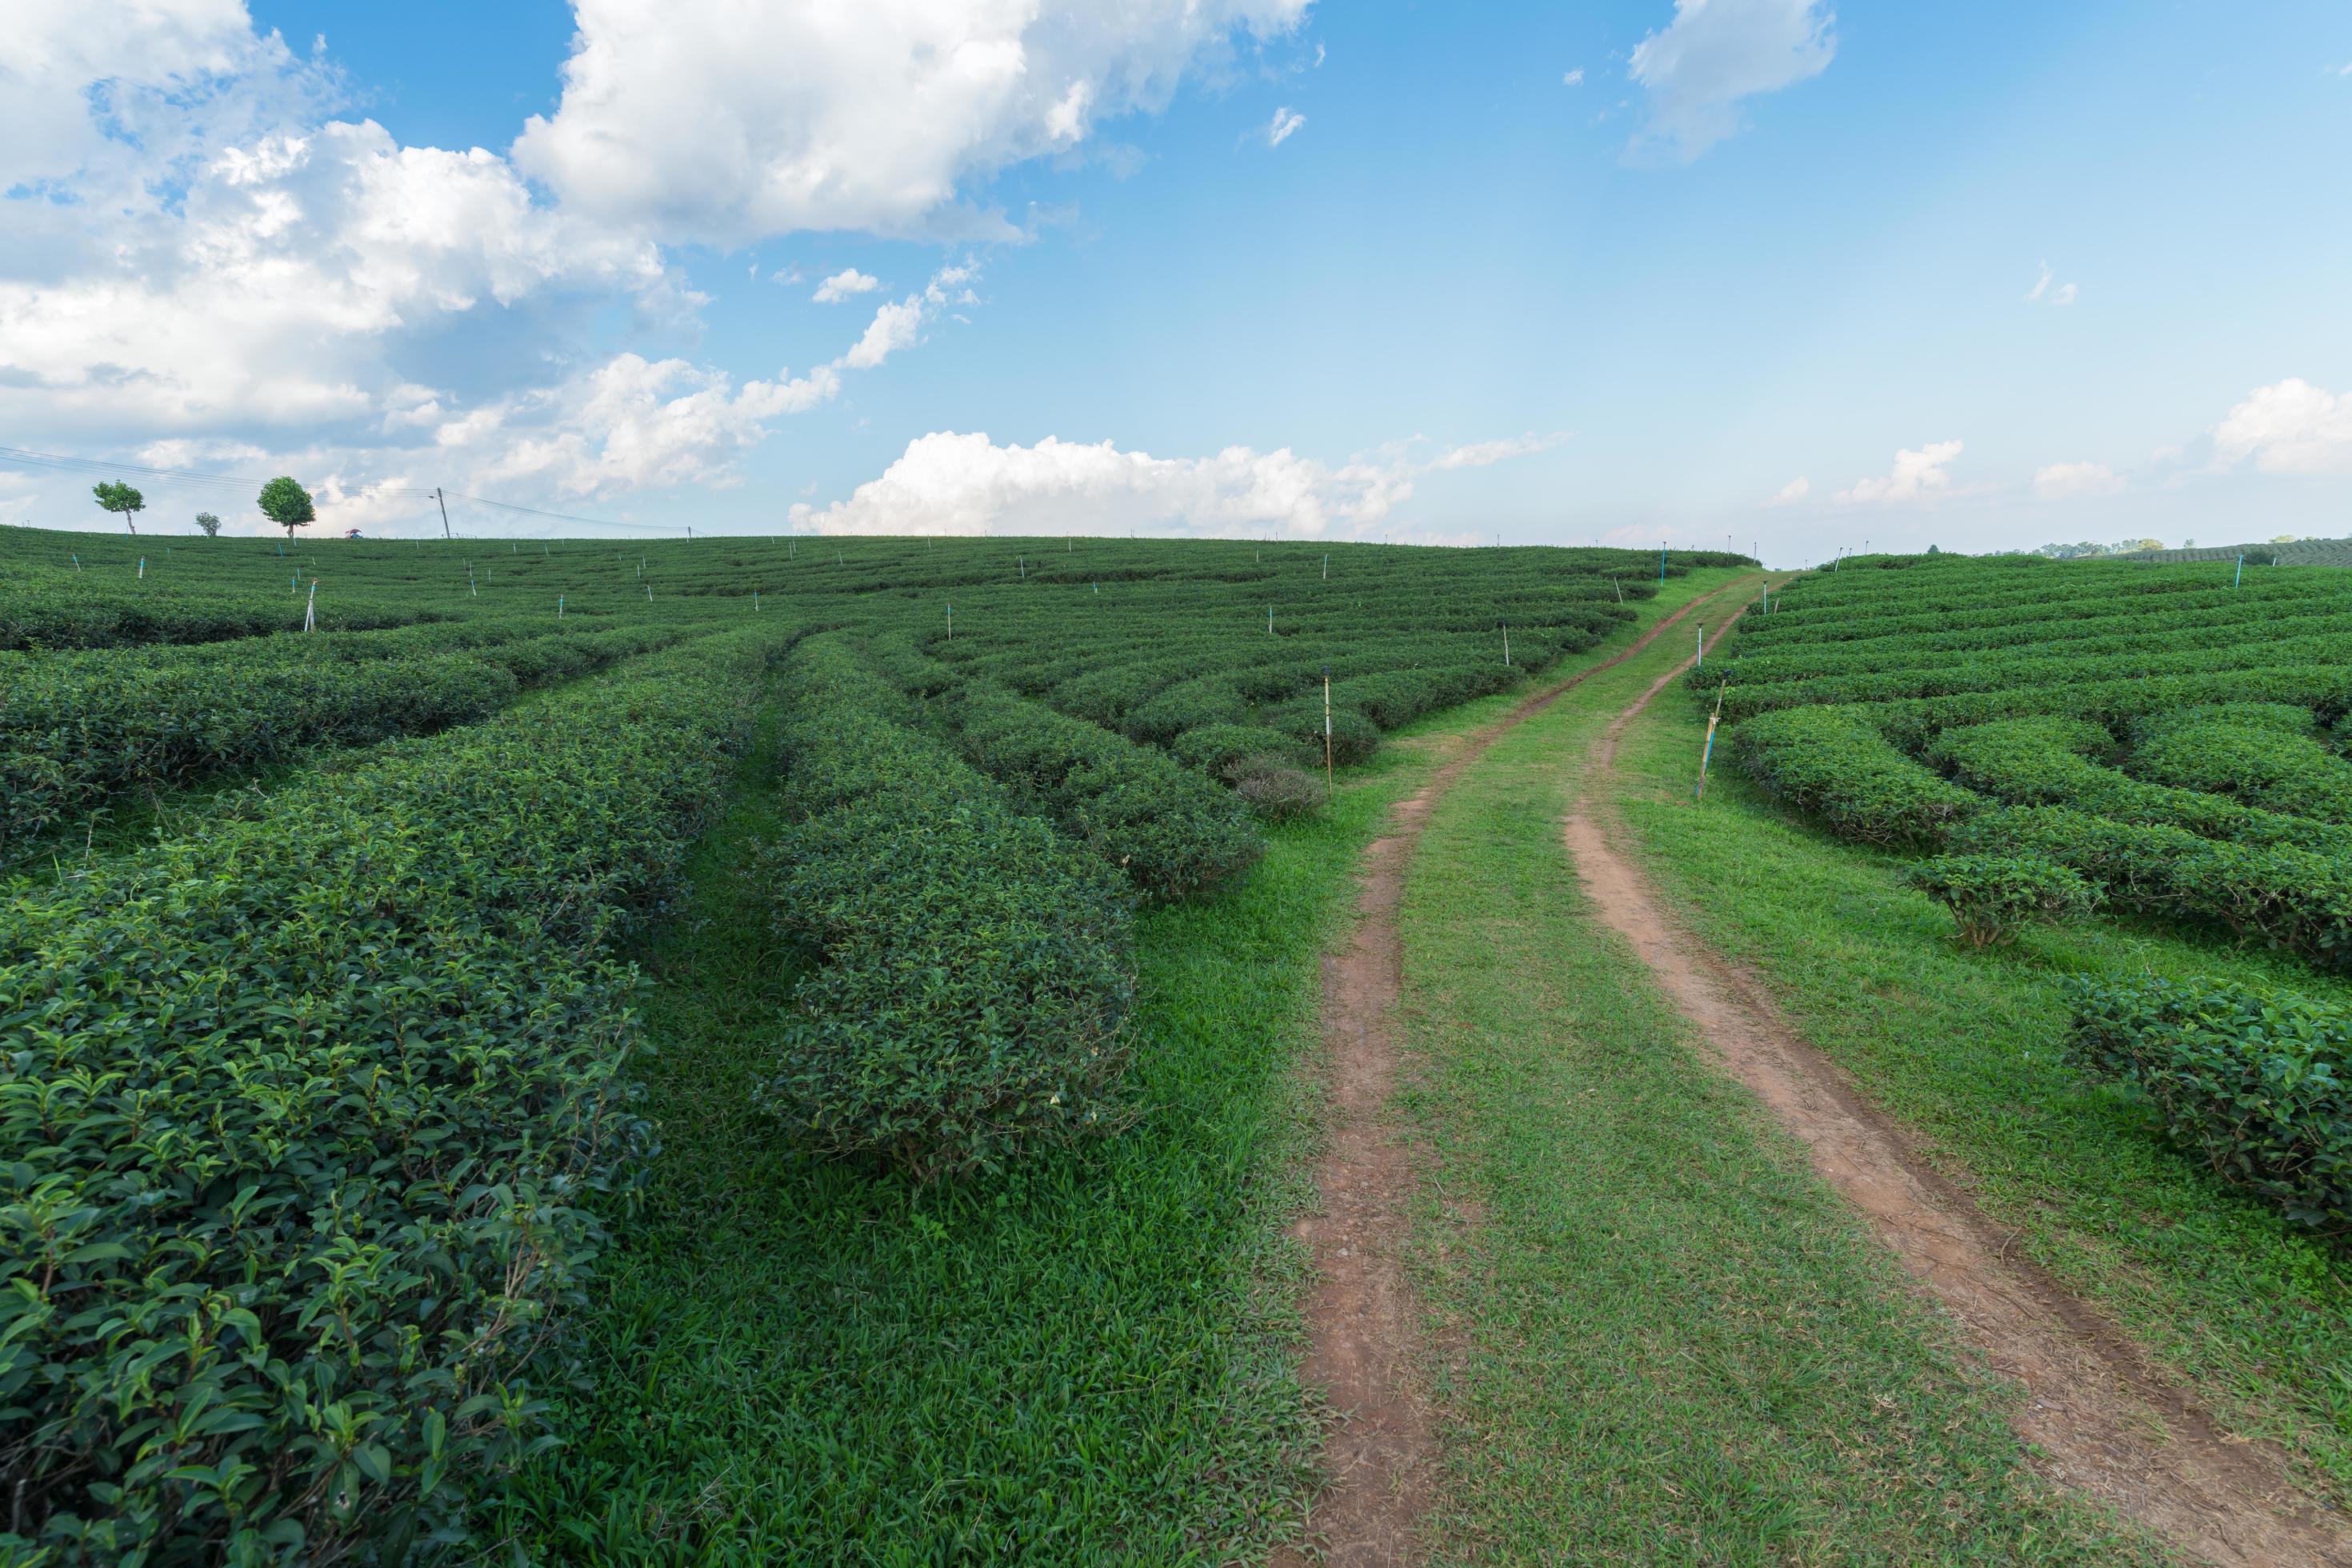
(1984, 276)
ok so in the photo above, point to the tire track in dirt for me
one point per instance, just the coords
(2102, 1422)
(1360, 1316)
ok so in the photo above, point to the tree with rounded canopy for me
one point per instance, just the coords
(287, 504)
(209, 523)
(121, 498)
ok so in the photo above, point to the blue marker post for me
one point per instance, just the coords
(2239, 581)
(950, 622)
(1662, 565)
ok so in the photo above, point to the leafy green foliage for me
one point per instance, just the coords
(1215, 747)
(285, 503)
(1169, 830)
(208, 524)
(77, 727)
(1275, 788)
(119, 499)
(1831, 763)
(2276, 894)
(2253, 1082)
(302, 1122)
(2263, 753)
(973, 975)
(1992, 896)
(2152, 728)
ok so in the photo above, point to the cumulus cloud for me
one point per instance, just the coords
(284, 286)
(202, 250)
(845, 284)
(720, 124)
(1573, 78)
(1917, 476)
(2288, 428)
(632, 424)
(963, 483)
(1793, 492)
(2042, 293)
(1717, 52)
(1283, 126)
(2069, 481)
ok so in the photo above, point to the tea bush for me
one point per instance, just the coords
(973, 975)
(2257, 1085)
(302, 1120)
(1992, 896)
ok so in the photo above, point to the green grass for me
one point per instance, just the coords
(1654, 1335)
(1963, 1046)
(1092, 1361)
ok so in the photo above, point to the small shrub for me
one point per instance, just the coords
(1992, 896)
(2251, 1082)
(1354, 738)
(1275, 789)
(1213, 748)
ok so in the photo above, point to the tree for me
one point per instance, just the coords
(209, 523)
(287, 504)
(119, 497)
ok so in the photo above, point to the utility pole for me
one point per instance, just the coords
(444, 511)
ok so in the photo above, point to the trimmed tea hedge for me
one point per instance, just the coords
(2258, 1085)
(1169, 830)
(973, 979)
(301, 1118)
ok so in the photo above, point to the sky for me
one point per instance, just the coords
(1755, 272)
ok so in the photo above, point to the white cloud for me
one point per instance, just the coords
(2041, 293)
(2070, 482)
(845, 284)
(201, 253)
(284, 285)
(721, 124)
(632, 424)
(1793, 492)
(2288, 428)
(1486, 454)
(948, 482)
(895, 326)
(1717, 52)
(1917, 475)
(1573, 78)
(1283, 126)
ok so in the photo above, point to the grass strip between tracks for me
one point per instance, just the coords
(1654, 1335)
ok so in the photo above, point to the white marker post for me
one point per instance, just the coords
(2239, 580)
(143, 568)
(1702, 646)
(1269, 620)
(1327, 734)
(559, 607)
(1507, 644)
(310, 608)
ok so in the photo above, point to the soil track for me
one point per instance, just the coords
(1360, 1316)
(2102, 1421)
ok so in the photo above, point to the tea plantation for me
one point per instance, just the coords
(322, 1114)
(2164, 744)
